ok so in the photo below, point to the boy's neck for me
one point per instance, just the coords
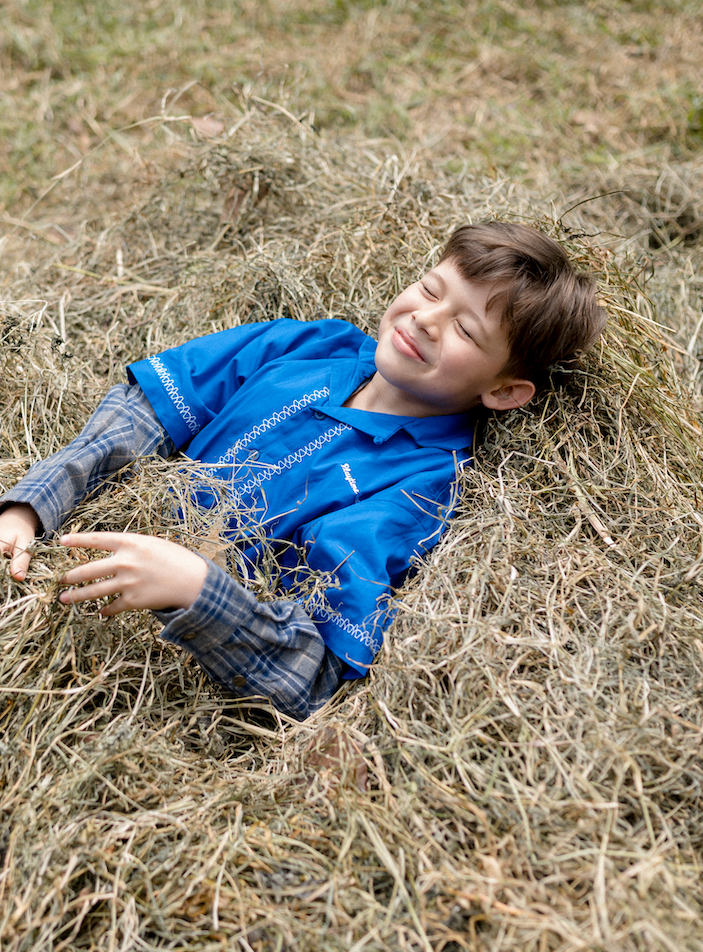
(375, 395)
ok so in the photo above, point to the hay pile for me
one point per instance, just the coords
(521, 771)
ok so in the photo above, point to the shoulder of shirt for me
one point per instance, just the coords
(311, 340)
(329, 326)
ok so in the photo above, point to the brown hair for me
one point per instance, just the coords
(549, 308)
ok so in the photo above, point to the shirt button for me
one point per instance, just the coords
(189, 635)
(378, 439)
(239, 681)
(318, 414)
(254, 455)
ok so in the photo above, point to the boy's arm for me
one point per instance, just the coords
(272, 650)
(122, 428)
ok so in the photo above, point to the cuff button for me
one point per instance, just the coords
(239, 681)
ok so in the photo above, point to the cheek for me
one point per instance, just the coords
(405, 302)
(386, 320)
(461, 359)
(385, 328)
(385, 324)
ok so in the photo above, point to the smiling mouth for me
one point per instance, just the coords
(405, 345)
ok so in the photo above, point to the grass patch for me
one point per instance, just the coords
(72, 73)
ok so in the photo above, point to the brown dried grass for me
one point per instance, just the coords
(521, 770)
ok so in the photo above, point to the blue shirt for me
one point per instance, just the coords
(362, 494)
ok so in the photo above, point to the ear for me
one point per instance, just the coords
(513, 393)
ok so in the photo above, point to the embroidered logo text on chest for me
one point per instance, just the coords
(346, 469)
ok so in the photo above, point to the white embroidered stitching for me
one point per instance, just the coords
(174, 394)
(280, 416)
(346, 469)
(356, 631)
(275, 469)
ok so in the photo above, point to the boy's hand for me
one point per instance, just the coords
(18, 529)
(144, 571)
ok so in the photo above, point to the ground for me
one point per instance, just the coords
(521, 770)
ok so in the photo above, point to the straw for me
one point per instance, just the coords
(521, 769)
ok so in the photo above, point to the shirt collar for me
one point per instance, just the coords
(452, 431)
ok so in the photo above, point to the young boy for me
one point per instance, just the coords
(336, 445)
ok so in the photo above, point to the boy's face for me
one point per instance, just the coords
(440, 351)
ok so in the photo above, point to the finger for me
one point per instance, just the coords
(20, 563)
(114, 607)
(19, 556)
(103, 589)
(89, 571)
(109, 541)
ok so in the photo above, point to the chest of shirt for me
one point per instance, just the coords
(283, 449)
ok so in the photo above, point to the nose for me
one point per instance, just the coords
(428, 318)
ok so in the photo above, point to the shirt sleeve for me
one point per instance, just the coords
(189, 385)
(123, 428)
(272, 650)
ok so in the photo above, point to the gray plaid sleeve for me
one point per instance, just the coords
(122, 428)
(255, 649)
(250, 648)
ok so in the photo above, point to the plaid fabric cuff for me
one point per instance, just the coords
(256, 649)
(122, 428)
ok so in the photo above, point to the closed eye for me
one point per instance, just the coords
(429, 292)
(464, 331)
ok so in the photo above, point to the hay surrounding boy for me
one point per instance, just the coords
(337, 446)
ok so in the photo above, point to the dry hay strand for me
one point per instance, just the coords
(521, 770)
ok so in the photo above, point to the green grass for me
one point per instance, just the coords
(418, 72)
